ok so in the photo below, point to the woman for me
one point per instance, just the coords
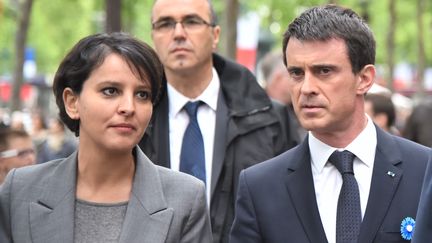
(108, 190)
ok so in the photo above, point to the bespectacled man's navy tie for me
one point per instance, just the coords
(192, 160)
(348, 219)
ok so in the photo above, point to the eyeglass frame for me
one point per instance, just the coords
(172, 23)
(16, 153)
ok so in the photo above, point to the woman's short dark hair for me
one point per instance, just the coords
(90, 52)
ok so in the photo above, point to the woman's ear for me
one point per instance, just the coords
(70, 100)
(366, 79)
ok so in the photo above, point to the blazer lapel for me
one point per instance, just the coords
(148, 217)
(52, 216)
(299, 183)
(385, 180)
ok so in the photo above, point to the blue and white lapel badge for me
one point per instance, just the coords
(407, 228)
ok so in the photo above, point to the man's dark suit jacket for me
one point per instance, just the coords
(249, 129)
(423, 227)
(276, 199)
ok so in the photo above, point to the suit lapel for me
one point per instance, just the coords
(52, 216)
(385, 180)
(299, 183)
(219, 141)
(148, 217)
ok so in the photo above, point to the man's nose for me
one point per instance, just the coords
(309, 84)
(179, 30)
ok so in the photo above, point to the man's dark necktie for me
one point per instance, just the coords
(192, 160)
(348, 218)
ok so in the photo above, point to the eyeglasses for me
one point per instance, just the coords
(15, 152)
(189, 24)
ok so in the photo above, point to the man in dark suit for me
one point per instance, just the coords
(423, 230)
(348, 181)
(418, 127)
(237, 121)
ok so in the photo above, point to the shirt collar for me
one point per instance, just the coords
(363, 147)
(209, 96)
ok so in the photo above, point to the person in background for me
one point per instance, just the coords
(277, 85)
(57, 144)
(382, 111)
(213, 119)
(39, 129)
(275, 77)
(108, 190)
(348, 181)
(402, 104)
(4, 121)
(418, 127)
(16, 150)
(17, 120)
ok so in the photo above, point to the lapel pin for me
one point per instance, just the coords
(391, 173)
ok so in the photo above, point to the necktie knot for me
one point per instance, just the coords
(343, 161)
(192, 108)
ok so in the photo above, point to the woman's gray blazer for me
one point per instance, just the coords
(37, 205)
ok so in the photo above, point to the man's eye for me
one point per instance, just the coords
(109, 91)
(164, 24)
(325, 70)
(192, 21)
(295, 73)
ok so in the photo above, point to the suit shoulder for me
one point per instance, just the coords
(406, 144)
(414, 156)
(35, 173)
(181, 181)
(409, 148)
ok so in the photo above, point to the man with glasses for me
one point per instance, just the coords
(233, 123)
(16, 150)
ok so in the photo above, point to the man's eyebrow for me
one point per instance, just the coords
(320, 66)
(323, 65)
(290, 68)
(192, 16)
(164, 18)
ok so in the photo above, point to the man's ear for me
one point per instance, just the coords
(70, 100)
(216, 34)
(366, 79)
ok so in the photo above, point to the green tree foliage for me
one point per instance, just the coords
(56, 25)
(137, 18)
(276, 14)
(8, 19)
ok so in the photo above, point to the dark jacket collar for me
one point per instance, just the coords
(243, 95)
